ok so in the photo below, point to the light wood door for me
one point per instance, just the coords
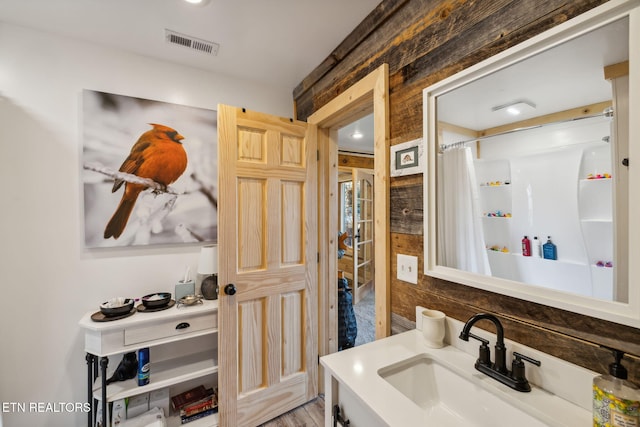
(363, 208)
(268, 251)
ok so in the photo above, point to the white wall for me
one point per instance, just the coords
(48, 280)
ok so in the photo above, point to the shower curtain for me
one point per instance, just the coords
(461, 242)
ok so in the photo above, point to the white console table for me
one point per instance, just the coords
(148, 329)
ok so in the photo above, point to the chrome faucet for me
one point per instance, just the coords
(497, 370)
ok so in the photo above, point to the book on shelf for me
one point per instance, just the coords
(185, 420)
(202, 405)
(200, 409)
(188, 397)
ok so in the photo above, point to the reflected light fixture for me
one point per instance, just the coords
(516, 108)
(357, 135)
(197, 2)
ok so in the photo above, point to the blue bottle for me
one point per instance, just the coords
(549, 250)
(144, 366)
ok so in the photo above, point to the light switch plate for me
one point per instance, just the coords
(408, 268)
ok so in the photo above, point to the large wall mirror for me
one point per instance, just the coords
(530, 183)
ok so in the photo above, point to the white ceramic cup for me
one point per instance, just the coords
(433, 328)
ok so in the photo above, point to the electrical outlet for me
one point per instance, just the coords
(408, 268)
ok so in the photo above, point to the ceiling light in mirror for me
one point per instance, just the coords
(516, 108)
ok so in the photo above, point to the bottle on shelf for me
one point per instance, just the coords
(526, 246)
(549, 250)
(144, 367)
(537, 247)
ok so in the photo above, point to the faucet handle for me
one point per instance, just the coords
(484, 355)
(482, 340)
(517, 367)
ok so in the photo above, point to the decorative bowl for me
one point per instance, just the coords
(159, 299)
(116, 306)
(190, 299)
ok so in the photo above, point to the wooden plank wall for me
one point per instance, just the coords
(425, 41)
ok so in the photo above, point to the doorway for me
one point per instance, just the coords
(367, 96)
(356, 262)
(356, 265)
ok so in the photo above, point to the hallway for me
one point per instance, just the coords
(365, 311)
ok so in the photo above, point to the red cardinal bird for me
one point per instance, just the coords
(158, 155)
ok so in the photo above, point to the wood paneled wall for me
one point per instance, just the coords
(425, 41)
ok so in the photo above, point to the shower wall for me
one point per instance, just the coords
(550, 181)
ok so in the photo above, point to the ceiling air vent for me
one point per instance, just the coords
(183, 40)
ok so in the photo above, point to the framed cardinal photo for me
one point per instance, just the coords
(149, 172)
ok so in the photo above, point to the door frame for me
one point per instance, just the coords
(370, 94)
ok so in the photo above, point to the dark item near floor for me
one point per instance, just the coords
(127, 368)
(337, 417)
(347, 325)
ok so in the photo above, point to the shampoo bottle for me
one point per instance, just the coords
(616, 401)
(537, 248)
(144, 366)
(549, 250)
(526, 246)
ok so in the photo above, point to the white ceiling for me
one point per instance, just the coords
(568, 76)
(275, 42)
(364, 145)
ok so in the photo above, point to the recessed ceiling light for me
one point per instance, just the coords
(516, 108)
(357, 135)
(198, 2)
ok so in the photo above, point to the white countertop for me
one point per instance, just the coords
(357, 369)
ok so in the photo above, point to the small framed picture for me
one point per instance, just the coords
(406, 158)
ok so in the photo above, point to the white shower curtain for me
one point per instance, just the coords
(461, 242)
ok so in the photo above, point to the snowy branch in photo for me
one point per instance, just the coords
(134, 179)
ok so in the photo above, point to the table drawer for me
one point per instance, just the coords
(170, 328)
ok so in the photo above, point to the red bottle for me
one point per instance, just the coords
(526, 246)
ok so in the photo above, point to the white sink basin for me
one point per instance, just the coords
(445, 394)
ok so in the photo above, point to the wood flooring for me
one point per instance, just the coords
(309, 415)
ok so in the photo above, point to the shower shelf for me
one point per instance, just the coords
(534, 259)
(538, 259)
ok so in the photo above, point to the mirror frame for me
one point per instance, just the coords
(623, 313)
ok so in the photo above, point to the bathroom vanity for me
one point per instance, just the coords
(399, 381)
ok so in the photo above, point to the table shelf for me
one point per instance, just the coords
(163, 374)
